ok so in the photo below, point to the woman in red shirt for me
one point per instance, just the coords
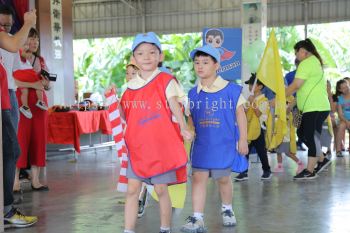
(32, 133)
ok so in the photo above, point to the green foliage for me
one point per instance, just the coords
(101, 62)
(176, 50)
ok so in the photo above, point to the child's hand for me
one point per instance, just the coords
(243, 147)
(110, 88)
(187, 134)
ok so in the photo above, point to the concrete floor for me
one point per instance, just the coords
(82, 199)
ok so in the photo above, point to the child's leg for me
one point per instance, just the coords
(24, 96)
(195, 223)
(293, 157)
(279, 167)
(340, 134)
(164, 205)
(226, 193)
(279, 158)
(40, 103)
(199, 190)
(131, 204)
(297, 160)
(39, 95)
(335, 128)
(226, 190)
(260, 147)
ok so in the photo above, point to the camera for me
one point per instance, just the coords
(49, 76)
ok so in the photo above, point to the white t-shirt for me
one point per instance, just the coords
(11, 63)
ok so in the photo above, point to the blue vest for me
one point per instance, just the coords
(217, 133)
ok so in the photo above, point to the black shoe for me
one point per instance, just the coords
(41, 188)
(163, 231)
(322, 165)
(340, 154)
(17, 200)
(241, 176)
(23, 174)
(266, 175)
(18, 192)
(305, 175)
(142, 205)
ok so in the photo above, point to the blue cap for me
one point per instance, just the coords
(164, 69)
(208, 49)
(149, 37)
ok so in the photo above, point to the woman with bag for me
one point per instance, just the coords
(312, 102)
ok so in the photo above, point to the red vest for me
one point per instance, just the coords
(154, 142)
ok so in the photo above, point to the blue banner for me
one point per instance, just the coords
(229, 43)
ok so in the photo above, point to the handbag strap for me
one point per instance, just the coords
(34, 60)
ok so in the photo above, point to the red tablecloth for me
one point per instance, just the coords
(66, 127)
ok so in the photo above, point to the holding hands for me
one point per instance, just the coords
(187, 134)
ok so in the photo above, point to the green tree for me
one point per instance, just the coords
(101, 62)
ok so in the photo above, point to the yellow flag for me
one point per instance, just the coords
(177, 195)
(270, 74)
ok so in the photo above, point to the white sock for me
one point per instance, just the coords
(129, 231)
(165, 229)
(226, 207)
(198, 215)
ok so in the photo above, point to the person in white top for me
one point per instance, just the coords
(11, 63)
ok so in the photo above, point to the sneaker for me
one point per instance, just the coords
(193, 225)
(142, 205)
(41, 105)
(266, 175)
(340, 154)
(241, 176)
(228, 218)
(305, 175)
(26, 111)
(15, 218)
(165, 231)
(278, 169)
(300, 167)
(322, 165)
